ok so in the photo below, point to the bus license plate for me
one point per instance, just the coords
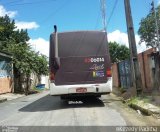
(81, 90)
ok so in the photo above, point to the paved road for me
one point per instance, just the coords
(45, 110)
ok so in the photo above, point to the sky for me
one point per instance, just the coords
(39, 17)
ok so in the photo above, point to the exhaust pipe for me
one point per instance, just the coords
(56, 46)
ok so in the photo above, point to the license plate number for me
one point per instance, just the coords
(81, 90)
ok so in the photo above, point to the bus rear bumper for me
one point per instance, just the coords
(91, 89)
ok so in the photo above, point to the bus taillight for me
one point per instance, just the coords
(109, 72)
(52, 76)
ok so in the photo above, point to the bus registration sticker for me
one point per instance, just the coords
(81, 90)
(98, 73)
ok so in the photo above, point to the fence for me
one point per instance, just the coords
(124, 73)
(150, 73)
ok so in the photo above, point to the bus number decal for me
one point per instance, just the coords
(93, 60)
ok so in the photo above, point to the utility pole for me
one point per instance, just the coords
(157, 44)
(156, 22)
(103, 10)
(135, 72)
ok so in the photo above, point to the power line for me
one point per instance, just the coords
(97, 21)
(15, 3)
(57, 10)
(11, 2)
(112, 12)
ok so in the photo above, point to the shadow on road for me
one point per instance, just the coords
(49, 103)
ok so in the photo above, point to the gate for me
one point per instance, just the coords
(124, 74)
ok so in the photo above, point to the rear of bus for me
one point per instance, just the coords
(83, 65)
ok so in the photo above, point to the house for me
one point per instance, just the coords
(6, 73)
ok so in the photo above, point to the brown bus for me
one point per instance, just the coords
(79, 64)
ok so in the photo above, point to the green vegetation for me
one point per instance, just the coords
(147, 29)
(118, 52)
(135, 100)
(25, 60)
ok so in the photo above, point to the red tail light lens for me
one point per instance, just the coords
(52, 76)
(109, 72)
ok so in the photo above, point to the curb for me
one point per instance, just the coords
(137, 107)
(9, 98)
(3, 100)
(146, 108)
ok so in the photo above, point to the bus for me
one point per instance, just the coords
(79, 64)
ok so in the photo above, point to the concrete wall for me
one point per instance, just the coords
(115, 76)
(45, 80)
(144, 60)
(5, 85)
(34, 80)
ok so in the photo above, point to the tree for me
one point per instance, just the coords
(147, 29)
(118, 52)
(25, 60)
(9, 34)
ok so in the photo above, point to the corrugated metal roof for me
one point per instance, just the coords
(5, 54)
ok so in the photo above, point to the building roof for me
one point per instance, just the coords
(4, 54)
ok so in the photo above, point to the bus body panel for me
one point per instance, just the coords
(84, 61)
(81, 70)
(103, 88)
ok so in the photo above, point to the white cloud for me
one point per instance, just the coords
(140, 47)
(158, 2)
(118, 37)
(122, 38)
(40, 45)
(26, 25)
(19, 24)
(4, 12)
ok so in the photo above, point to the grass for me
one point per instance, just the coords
(135, 100)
